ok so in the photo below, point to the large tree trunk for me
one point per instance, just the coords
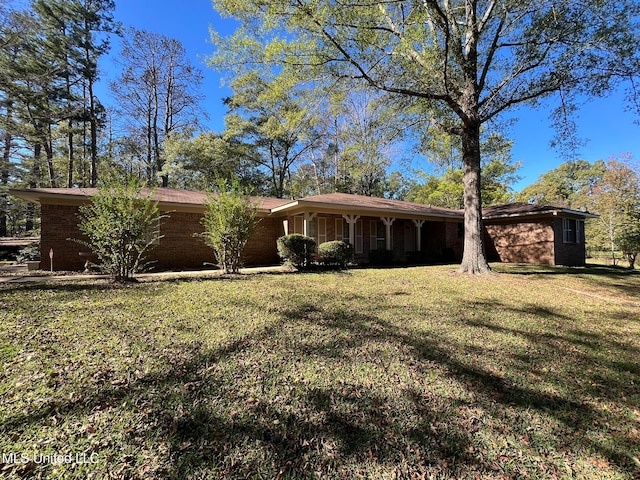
(4, 176)
(93, 125)
(70, 154)
(474, 259)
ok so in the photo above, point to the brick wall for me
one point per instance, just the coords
(262, 248)
(60, 222)
(522, 242)
(178, 249)
(570, 254)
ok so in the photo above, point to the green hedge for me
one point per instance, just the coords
(296, 249)
(335, 253)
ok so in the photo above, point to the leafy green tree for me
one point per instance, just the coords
(271, 125)
(200, 161)
(616, 198)
(571, 185)
(441, 191)
(369, 136)
(447, 189)
(628, 238)
(358, 138)
(230, 220)
(121, 225)
(459, 64)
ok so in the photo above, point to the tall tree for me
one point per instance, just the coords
(359, 139)
(272, 120)
(447, 189)
(458, 63)
(157, 93)
(616, 198)
(204, 161)
(368, 137)
(94, 24)
(570, 185)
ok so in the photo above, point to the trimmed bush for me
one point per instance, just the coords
(296, 249)
(336, 253)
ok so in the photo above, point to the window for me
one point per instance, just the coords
(322, 230)
(572, 230)
(297, 225)
(378, 236)
(342, 230)
(579, 231)
(359, 237)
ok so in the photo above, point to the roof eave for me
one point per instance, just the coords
(362, 210)
(542, 213)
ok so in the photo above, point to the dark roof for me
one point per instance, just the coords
(163, 195)
(357, 203)
(519, 209)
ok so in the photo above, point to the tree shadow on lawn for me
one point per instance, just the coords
(597, 270)
(625, 281)
(235, 412)
(611, 380)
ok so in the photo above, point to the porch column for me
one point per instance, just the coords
(388, 221)
(418, 224)
(285, 226)
(351, 221)
(306, 223)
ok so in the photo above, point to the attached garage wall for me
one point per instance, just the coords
(523, 242)
(570, 254)
(178, 248)
(60, 222)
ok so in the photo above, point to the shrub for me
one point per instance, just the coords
(229, 222)
(29, 253)
(381, 257)
(122, 226)
(336, 253)
(296, 249)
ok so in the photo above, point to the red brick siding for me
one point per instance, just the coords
(262, 249)
(570, 254)
(522, 242)
(178, 249)
(60, 222)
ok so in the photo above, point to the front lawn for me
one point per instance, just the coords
(388, 373)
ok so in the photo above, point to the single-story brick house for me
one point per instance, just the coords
(514, 232)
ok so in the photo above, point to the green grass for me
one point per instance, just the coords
(388, 373)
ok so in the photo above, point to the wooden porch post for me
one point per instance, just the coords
(418, 224)
(306, 223)
(388, 221)
(351, 221)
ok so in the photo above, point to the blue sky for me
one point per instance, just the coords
(603, 122)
